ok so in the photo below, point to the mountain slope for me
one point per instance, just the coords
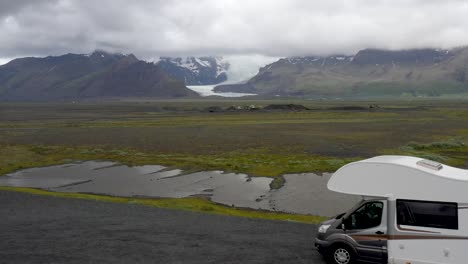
(370, 73)
(74, 76)
(196, 71)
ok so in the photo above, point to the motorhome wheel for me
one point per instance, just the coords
(342, 254)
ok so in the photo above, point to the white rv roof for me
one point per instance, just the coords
(402, 177)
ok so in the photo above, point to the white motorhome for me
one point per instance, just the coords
(414, 211)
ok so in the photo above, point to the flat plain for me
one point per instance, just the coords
(199, 135)
(189, 135)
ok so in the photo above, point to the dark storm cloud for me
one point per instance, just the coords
(268, 27)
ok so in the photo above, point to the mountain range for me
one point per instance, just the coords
(83, 76)
(368, 73)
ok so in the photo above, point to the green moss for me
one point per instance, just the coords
(277, 182)
(190, 204)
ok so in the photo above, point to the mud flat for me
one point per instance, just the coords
(302, 193)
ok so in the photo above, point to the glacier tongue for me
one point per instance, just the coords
(207, 90)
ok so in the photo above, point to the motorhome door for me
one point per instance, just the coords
(366, 228)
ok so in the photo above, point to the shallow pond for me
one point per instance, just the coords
(302, 193)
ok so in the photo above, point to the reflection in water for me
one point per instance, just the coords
(302, 193)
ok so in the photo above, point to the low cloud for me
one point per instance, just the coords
(228, 27)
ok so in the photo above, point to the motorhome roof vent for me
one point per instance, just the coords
(430, 164)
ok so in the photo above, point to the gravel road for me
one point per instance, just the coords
(41, 229)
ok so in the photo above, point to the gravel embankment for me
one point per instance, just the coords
(41, 229)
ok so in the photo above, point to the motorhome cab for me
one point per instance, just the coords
(414, 211)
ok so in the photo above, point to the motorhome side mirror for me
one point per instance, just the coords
(345, 223)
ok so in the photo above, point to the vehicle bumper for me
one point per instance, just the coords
(321, 245)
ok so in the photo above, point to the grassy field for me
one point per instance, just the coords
(182, 134)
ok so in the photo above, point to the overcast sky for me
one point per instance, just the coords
(266, 28)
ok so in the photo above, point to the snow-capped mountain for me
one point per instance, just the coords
(196, 70)
(318, 60)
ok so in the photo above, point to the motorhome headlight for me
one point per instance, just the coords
(323, 228)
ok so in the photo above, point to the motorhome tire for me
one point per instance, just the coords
(341, 254)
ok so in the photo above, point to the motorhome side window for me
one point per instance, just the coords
(367, 216)
(427, 214)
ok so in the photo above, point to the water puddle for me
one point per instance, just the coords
(302, 193)
(308, 194)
